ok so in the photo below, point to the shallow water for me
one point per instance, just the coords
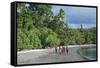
(89, 52)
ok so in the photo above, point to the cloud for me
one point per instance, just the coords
(75, 16)
(79, 25)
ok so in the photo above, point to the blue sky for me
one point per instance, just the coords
(75, 16)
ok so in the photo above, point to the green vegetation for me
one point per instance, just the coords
(38, 27)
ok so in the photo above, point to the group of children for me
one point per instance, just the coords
(62, 49)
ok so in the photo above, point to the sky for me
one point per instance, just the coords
(75, 16)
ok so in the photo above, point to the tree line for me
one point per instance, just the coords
(38, 27)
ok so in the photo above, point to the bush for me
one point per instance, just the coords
(22, 40)
(28, 39)
(52, 40)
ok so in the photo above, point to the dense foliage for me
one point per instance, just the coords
(38, 27)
